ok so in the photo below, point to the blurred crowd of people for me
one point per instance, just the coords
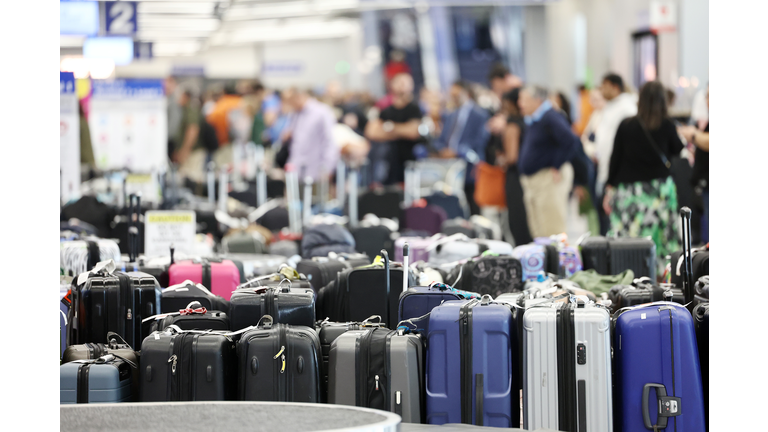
(526, 154)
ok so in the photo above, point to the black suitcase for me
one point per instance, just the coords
(701, 291)
(287, 305)
(469, 229)
(279, 362)
(370, 240)
(320, 271)
(117, 347)
(194, 318)
(177, 297)
(115, 302)
(357, 294)
(187, 366)
(611, 256)
(701, 325)
(700, 262)
(384, 203)
(641, 292)
(493, 275)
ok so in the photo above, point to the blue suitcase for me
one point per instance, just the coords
(656, 370)
(419, 301)
(104, 380)
(472, 371)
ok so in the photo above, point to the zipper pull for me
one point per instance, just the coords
(129, 314)
(279, 353)
(173, 366)
(283, 368)
(282, 348)
(377, 381)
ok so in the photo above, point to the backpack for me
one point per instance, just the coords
(208, 136)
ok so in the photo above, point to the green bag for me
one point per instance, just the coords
(591, 281)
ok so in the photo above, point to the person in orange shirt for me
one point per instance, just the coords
(585, 111)
(218, 117)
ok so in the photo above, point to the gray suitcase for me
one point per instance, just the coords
(567, 367)
(104, 380)
(378, 368)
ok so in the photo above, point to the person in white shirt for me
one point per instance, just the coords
(618, 106)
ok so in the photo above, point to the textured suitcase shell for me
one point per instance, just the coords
(419, 301)
(611, 256)
(295, 306)
(107, 383)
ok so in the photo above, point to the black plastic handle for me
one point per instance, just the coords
(661, 391)
(687, 276)
(386, 270)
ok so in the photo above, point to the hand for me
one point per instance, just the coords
(556, 175)
(580, 193)
(607, 200)
(501, 160)
(496, 124)
(447, 153)
(687, 132)
(285, 136)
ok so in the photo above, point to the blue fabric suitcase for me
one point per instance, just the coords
(472, 371)
(103, 380)
(419, 301)
(656, 367)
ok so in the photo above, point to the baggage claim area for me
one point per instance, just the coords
(370, 215)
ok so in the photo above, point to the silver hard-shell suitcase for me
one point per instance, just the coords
(567, 367)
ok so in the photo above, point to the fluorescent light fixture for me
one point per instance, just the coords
(79, 18)
(117, 49)
(161, 23)
(83, 67)
(172, 48)
(240, 12)
(176, 7)
(71, 41)
(290, 31)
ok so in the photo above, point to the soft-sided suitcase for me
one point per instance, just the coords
(255, 265)
(567, 368)
(460, 247)
(370, 240)
(117, 347)
(187, 366)
(429, 218)
(320, 240)
(244, 242)
(537, 259)
(611, 256)
(286, 305)
(107, 301)
(416, 302)
(378, 368)
(418, 247)
(177, 297)
(194, 317)
(701, 291)
(472, 364)
(469, 229)
(279, 362)
(320, 271)
(641, 292)
(221, 277)
(701, 325)
(488, 274)
(449, 203)
(107, 379)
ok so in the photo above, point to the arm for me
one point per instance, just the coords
(408, 130)
(616, 155)
(375, 132)
(511, 140)
(330, 152)
(702, 141)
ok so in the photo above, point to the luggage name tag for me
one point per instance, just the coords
(67, 299)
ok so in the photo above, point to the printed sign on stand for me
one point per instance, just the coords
(128, 123)
(163, 228)
(69, 144)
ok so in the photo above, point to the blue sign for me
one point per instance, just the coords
(128, 89)
(282, 68)
(67, 82)
(142, 50)
(79, 18)
(120, 18)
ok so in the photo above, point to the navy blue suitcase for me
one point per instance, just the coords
(419, 301)
(472, 371)
(657, 381)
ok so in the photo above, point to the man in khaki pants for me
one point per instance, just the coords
(546, 173)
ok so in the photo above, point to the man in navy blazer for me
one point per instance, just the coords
(464, 136)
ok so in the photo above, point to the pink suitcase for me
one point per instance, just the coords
(221, 277)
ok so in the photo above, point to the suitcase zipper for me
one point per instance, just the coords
(465, 344)
(672, 352)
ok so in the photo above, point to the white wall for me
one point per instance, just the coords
(535, 45)
(694, 39)
(218, 63)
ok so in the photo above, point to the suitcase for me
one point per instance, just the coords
(654, 348)
(370, 240)
(64, 305)
(244, 242)
(449, 203)
(177, 297)
(287, 248)
(107, 379)
(537, 259)
(567, 367)
(701, 291)
(187, 366)
(700, 263)
(378, 368)
(472, 364)
(701, 326)
(116, 347)
(279, 362)
(320, 271)
(429, 219)
(641, 292)
(254, 265)
(418, 247)
(417, 302)
(469, 229)
(384, 204)
(221, 277)
(488, 274)
(688, 271)
(319, 240)
(460, 247)
(611, 256)
(359, 293)
(111, 302)
(194, 317)
(570, 258)
(287, 305)
(79, 256)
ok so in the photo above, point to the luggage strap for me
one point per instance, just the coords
(189, 310)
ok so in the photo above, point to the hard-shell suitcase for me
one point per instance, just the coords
(320, 271)
(117, 347)
(369, 240)
(279, 362)
(611, 256)
(107, 379)
(378, 368)
(194, 317)
(111, 302)
(643, 291)
(472, 364)
(537, 259)
(417, 302)
(177, 297)
(286, 305)
(488, 274)
(567, 367)
(699, 262)
(221, 277)
(701, 325)
(187, 366)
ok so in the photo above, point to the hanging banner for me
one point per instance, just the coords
(69, 145)
(128, 123)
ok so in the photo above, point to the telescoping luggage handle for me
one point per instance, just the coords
(386, 271)
(406, 249)
(685, 214)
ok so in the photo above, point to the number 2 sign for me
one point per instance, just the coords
(120, 18)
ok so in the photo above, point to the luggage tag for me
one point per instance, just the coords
(105, 267)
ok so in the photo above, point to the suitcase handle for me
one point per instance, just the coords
(669, 406)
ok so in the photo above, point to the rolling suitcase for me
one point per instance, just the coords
(701, 291)
(187, 366)
(570, 258)
(428, 218)
(319, 240)
(279, 362)
(416, 302)
(177, 297)
(701, 326)
(611, 256)
(244, 242)
(460, 247)
(567, 367)
(471, 371)
(469, 229)
(418, 247)
(194, 317)
(255, 265)
(106, 379)
(286, 305)
(378, 368)
(537, 259)
(488, 274)
(221, 277)
(643, 291)
(320, 271)
(371, 239)
(699, 262)
(79, 256)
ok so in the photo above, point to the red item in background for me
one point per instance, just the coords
(394, 68)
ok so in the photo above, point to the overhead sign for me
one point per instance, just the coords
(120, 18)
(69, 145)
(663, 16)
(282, 68)
(142, 50)
(188, 70)
(166, 228)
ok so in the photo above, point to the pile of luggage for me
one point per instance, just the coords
(452, 330)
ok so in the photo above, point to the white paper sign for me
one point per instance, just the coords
(69, 149)
(163, 228)
(663, 15)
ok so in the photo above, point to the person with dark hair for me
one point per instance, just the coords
(641, 198)
(561, 103)
(618, 106)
